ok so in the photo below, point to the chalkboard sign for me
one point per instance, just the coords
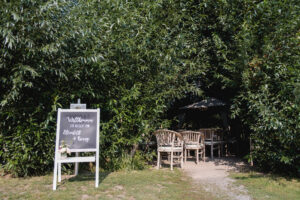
(78, 129)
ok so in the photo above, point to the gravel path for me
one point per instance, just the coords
(213, 177)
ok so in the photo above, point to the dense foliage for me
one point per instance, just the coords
(267, 102)
(133, 59)
(254, 64)
(115, 55)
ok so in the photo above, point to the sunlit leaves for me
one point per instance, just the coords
(133, 58)
(266, 102)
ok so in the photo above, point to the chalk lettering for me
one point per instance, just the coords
(75, 132)
(79, 120)
(79, 129)
(81, 139)
(79, 125)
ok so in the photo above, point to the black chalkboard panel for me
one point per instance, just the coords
(78, 129)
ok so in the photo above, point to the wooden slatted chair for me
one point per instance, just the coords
(170, 142)
(214, 139)
(194, 140)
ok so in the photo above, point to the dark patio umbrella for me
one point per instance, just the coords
(205, 104)
(209, 103)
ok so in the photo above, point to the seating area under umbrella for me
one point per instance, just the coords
(214, 137)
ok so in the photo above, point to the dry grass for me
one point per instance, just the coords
(146, 184)
(266, 186)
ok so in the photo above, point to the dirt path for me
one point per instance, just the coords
(213, 177)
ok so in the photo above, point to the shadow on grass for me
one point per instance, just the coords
(87, 176)
(238, 165)
(251, 176)
(254, 174)
(232, 161)
(84, 177)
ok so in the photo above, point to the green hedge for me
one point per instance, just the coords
(133, 59)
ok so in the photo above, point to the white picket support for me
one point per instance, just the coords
(56, 151)
(76, 164)
(97, 152)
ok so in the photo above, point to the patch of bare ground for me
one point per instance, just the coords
(83, 188)
(118, 187)
(85, 197)
(212, 175)
(8, 176)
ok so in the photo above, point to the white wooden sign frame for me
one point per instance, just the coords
(58, 160)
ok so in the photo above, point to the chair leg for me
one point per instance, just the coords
(222, 149)
(204, 154)
(219, 149)
(181, 159)
(212, 151)
(185, 155)
(171, 160)
(197, 156)
(158, 160)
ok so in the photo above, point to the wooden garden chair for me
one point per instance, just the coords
(194, 140)
(214, 139)
(170, 142)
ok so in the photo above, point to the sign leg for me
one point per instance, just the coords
(97, 169)
(55, 175)
(56, 156)
(76, 165)
(59, 172)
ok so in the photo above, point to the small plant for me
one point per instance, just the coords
(64, 149)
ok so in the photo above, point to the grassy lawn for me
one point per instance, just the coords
(262, 186)
(146, 184)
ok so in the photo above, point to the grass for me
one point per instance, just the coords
(145, 184)
(265, 186)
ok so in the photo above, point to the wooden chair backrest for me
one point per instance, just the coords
(191, 137)
(212, 133)
(202, 139)
(167, 137)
